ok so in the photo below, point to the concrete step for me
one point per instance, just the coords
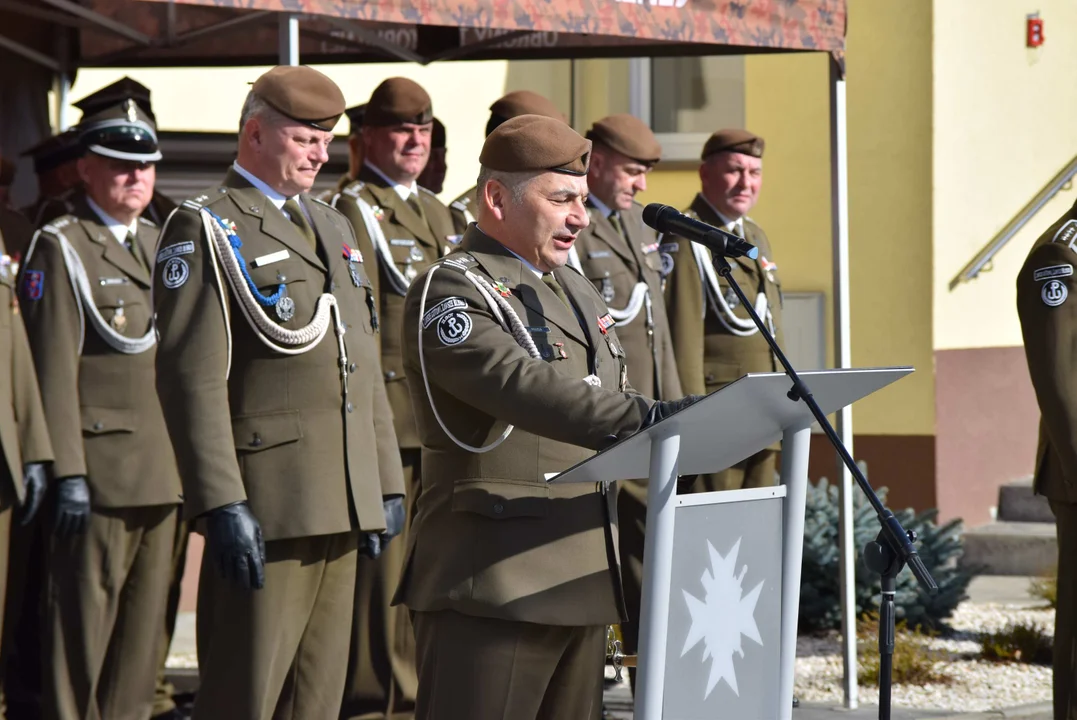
(1018, 503)
(1011, 548)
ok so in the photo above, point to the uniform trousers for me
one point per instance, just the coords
(487, 669)
(382, 680)
(105, 603)
(282, 651)
(163, 690)
(20, 642)
(1065, 650)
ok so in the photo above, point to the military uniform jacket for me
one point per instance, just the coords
(103, 414)
(490, 537)
(1048, 316)
(413, 245)
(251, 423)
(24, 435)
(615, 265)
(709, 355)
(463, 209)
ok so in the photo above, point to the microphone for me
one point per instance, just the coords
(667, 220)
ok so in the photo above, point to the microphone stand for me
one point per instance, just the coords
(892, 548)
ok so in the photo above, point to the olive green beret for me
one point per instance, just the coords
(524, 102)
(734, 140)
(302, 94)
(398, 100)
(627, 135)
(536, 142)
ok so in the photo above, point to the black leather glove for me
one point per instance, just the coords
(33, 481)
(662, 409)
(373, 544)
(234, 537)
(72, 506)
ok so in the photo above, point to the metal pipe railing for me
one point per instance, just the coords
(983, 258)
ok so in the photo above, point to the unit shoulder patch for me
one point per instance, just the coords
(183, 248)
(454, 327)
(1054, 293)
(1067, 234)
(146, 221)
(1054, 271)
(175, 273)
(444, 306)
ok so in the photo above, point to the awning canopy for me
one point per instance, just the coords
(133, 33)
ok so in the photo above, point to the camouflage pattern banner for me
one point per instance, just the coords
(236, 32)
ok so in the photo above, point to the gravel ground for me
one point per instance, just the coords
(978, 685)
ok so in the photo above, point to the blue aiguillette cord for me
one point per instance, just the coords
(236, 244)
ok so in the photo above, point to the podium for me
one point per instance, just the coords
(721, 570)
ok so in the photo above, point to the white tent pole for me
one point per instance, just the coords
(839, 201)
(289, 39)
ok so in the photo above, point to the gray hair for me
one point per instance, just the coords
(516, 182)
(256, 106)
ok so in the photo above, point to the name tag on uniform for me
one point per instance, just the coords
(402, 242)
(599, 254)
(270, 258)
(112, 281)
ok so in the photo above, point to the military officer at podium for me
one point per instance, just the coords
(269, 376)
(619, 255)
(402, 228)
(517, 102)
(515, 372)
(714, 339)
(1049, 325)
(85, 297)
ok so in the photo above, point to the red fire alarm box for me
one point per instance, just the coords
(1034, 32)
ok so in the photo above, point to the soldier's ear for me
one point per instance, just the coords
(496, 197)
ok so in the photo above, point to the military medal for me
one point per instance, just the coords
(768, 267)
(353, 256)
(410, 272)
(605, 323)
(607, 290)
(379, 213)
(731, 298)
(417, 254)
(119, 321)
(503, 289)
(285, 308)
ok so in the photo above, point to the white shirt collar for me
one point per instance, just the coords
(727, 224)
(404, 191)
(272, 195)
(117, 228)
(600, 206)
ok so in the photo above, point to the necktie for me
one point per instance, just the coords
(615, 220)
(413, 201)
(299, 219)
(132, 244)
(551, 282)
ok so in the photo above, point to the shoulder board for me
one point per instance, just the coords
(147, 221)
(353, 188)
(573, 269)
(56, 226)
(459, 205)
(322, 202)
(428, 192)
(1066, 234)
(461, 262)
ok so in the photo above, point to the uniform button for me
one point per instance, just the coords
(351, 368)
(350, 407)
(119, 302)
(98, 425)
(256, 441)
(499, 508)
(281, 278)
(390, 375)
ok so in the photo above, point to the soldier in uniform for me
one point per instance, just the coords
(433, 175)
(57, 175)
(518, 102)
(269, 376)
(85, 294)
(714, 340)
(1049, 325)
(402, 227)
(24, 441)
(515, 372)
(17, 233)
(619, 255)
(355, 152)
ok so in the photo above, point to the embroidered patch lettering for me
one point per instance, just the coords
(33, 284)
(441, 308)
(1067, 234)
(183, 248)
(595, 254)
(1055, 271)
(175, 273)
(402, 242)
(1054, 293)
(454, 328)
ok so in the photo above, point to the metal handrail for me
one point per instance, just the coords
(983, 258)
